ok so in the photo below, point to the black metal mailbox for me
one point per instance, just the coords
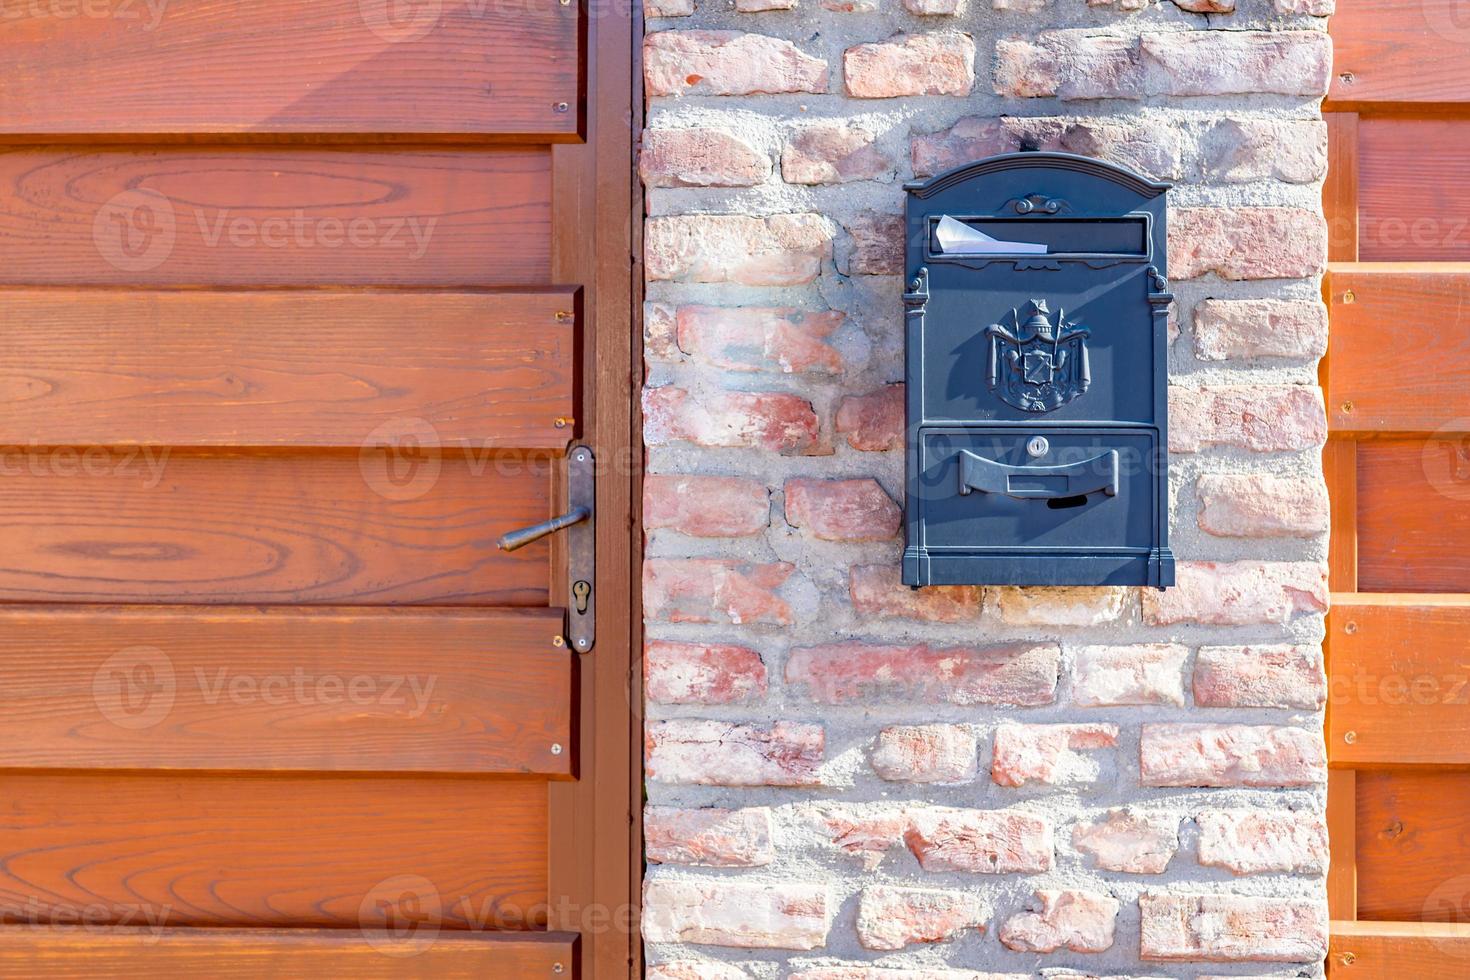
(1037, 400)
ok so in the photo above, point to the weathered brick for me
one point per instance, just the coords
(892, 918)
(833, 153)
(660, 334)
(1261, 418)
(705, 506)
(701, 673)
(1043, 606)
(779, 250)
(727, 912)
(861, 830)
(1049, 754)
(727, 63)
(759, 6)
(715, 590)
(1206, 6)
(1250, 328)
(934, 8)
(842, 673)
(1281, 676)
(708, 838)
(695, 970)
(1183, 63)
(667, 8)
(1130, 840)
(890, 973)
(937, 63)
(717, 753)
(842, 510)
(1239, 593)
(1145, 673)
(1238, 150)
(760, 338)
(695, 157)
(771, 421)
(1071, 65)
(1256, 505)
(1316, 8)
(926, 754)
(877, 244)
(1079, 921)
(1233, 928)
(968, 139)
(1231, 755)
(873, 422)
(1253, 842)
(981, 841)
(878, 591)
(1247, 243)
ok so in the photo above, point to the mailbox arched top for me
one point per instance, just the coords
(1039, 160)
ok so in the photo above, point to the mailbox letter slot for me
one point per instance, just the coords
(1040, 482)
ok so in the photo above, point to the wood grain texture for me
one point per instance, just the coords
(1413, 846)
(1414, 515)
(1342, 823)
(293, 66)
(1398, 160)
(1399, 51)
(342, 852)
(1340, 190)
(378, 527)
(281, 216)
(1400, 682)
(1340, 468)
(381, 690)
(300, 368)
(1398, 951)
(146, 954)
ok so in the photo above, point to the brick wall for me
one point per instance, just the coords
(849, 780)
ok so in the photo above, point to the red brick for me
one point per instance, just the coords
(1247, 243)
(1078, 921)
(843, 673)
(668, 8)
(1048, 754)
(1245, 149)
(938, 63)
(728, 912)
(660, 335)
(981, 841)
(701, 673)
(1251, 328)
(878, 591)
(754, 338)
(1131, 840)
(705, 506)
(715, 590)
(727, 63)
(1241, 593)
(861, 830)
(771, 421)
(1281, 676)
(926, 754)
(886, 973)
(1257, 505)
(1233, 928)
(873, 422)
(934, 8)
(1145, 673)
(1184, 63)
(842, 510)
(833, 153)
(708, 838)
(717, 753)
(696, 157)
(1317, 8)
(877, 244)
(1065, 606)
(1256, 841)
(891, 918)
(1231, 755)
(695, 969)
(779, 250)
(1261, 418)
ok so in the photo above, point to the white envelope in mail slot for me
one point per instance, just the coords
(958, 238)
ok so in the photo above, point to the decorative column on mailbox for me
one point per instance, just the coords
(1037, 391)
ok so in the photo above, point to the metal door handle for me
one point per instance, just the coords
(513, 540)
(1039, 482)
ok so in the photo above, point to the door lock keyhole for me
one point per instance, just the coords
(581, 591)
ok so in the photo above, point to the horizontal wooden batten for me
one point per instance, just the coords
(1399, 51)
(1399, 950)
(472, 371)
(204, 849)
(385, 525)
(147, 954)
(1399, 680)
(1413, 507)
(298, 66)
(246, 688)
(1413, 845)
(274, 216)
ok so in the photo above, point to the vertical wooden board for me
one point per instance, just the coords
(1342, 874)
(1404, 51)
(1413, 846)
(1340, 467)
(1400, 160)
(215, 849)
(1340, 191)
(274, 216)
(292, 66)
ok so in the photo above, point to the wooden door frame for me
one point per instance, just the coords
(597, 868)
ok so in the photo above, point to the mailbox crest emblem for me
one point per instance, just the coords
(1038, 363)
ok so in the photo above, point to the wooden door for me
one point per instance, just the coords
(304, 302)
(1397, 379)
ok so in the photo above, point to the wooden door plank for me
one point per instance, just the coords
(387, 525)
(1342, 873)
(375, 690)
(1340, 467)
(1398, 159)
(1398, 951)
(1404, 51)
(474, 371)
(216, 849)
(147, 954)
(294, 66)
(1413, 845)
(1340, 191)
(274, 216)
(1413, 522)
